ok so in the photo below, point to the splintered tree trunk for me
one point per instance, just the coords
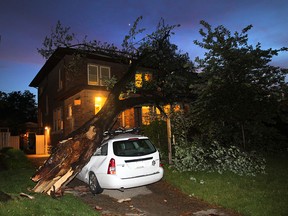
(66, 162)
(72, 154)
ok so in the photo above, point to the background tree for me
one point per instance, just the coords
(240, 93)
(171, 72)
(17, 108)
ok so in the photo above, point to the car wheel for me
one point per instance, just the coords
(94, 184)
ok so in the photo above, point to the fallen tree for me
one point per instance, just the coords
(171, 82)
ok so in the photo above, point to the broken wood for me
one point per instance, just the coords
(27, 196)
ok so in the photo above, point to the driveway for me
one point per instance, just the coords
(157, 199)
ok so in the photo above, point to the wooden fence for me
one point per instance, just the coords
(6, 140)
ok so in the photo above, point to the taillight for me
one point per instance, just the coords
(112, 167)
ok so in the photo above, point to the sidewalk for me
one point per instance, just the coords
(37, 160)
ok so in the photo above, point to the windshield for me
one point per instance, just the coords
(134, 147)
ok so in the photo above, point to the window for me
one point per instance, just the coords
(93, 75)
(99, 102)
(60, 83)
(140, 76)
(146, 114)
(98, 74)
(104, 74)
(103, 150)
(57, 119)
(135, 147)
(70, 110)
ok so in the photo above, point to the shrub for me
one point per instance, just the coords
(13, 159)
(217, 158)
(157, 133)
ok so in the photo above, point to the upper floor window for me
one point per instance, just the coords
(98, 74)
(141, 77)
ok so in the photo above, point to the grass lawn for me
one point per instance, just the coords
(263, 195)
(16, 179)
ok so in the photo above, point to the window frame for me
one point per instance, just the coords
(99, 74)
(89, 74)
(58, 119)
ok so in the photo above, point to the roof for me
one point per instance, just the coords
(58, 55)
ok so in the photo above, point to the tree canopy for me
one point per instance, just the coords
(240, 92)
(17, 108)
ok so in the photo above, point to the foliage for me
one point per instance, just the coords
(197, 155)
(240, 92)
(17, 108)
(219, 159)
(157, 133)
(172, 71)
(13, 159)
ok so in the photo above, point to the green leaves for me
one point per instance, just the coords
(217, 158)
(240, 90)
(60, 37)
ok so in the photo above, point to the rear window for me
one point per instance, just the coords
(135, 147)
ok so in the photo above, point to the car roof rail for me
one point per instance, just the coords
(121, 130)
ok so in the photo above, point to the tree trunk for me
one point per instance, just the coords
(243, 136)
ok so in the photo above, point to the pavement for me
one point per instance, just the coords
(37, 160)
(127, 193)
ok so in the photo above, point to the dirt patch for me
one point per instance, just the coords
(4, 197)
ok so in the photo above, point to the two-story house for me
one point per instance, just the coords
(68, 98)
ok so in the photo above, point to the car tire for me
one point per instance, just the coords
(94, 184)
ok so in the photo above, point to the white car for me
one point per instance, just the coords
(124, 161)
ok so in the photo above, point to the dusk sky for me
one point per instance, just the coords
(25, 23)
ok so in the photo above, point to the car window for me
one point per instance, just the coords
(103, 150)
(133, 147)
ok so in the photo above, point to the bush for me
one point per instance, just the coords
(219, 159)
(13, 159)
(157, 133)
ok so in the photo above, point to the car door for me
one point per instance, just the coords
(95, 164)
(98, 162)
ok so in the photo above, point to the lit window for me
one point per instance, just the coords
(70, 110)
(77, 102)
(99, 102)
(146, 111)
(139, 78)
